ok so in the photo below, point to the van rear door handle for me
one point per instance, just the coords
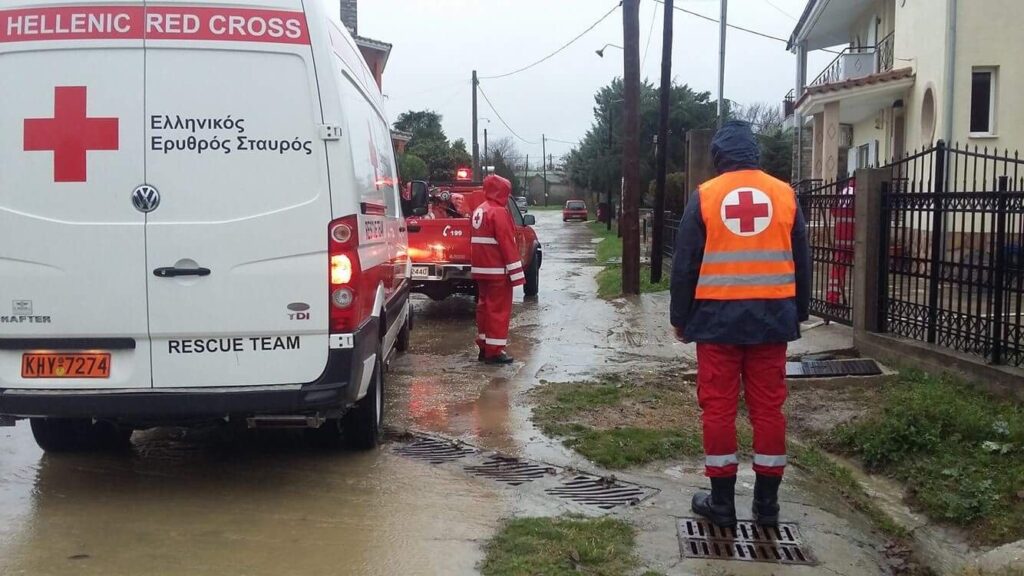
(172, 272)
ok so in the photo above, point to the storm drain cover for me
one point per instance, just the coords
(747, 542)
(832, 368)
(605, 493)
(434, 450)
(511, 470)
(528, 476)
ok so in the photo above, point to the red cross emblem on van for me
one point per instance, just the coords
(70, 134)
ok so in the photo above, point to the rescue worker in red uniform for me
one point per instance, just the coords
(497, 268)
(843, 237)
(740, 288)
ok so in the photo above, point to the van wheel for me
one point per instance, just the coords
(362, 425)
(532, 286)
(402, 342)
(78, 435)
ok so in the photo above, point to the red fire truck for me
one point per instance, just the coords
(439, 238)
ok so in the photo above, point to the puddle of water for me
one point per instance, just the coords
(205, 507)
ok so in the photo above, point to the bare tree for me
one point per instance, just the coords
(763, 117)
(506, 149)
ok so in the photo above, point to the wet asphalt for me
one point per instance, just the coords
(227, 501)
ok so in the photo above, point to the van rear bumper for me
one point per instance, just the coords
(330, 395)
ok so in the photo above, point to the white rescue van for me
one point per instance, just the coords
(199, 220)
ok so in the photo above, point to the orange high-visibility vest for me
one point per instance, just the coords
(748, 216)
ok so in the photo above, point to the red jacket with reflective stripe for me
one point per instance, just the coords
(495, 254)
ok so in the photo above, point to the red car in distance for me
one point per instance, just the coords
(575, 210)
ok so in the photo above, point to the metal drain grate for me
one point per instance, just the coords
(435, 451)
(747, 542)
(509, 470)
(832, 368)
(605, 493)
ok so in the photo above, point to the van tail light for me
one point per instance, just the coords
(343, 274)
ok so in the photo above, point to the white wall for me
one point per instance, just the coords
(989, 34)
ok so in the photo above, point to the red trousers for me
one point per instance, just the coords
(762, 370)
(493, 312)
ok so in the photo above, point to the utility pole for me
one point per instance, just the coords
(611, 207)
(722, 29)
(544, 154)
(658, 235)
(629, 224)
(487, 157)
(526, 179)
(476, 144)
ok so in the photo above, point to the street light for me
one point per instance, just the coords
(600, 51)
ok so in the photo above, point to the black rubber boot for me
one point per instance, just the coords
(720, 505)
(500, 359)
(766, 500)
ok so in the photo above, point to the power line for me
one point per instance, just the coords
(493, 109)
(715, 20)
(550, 139)
(780, 10)
(650, 33)
(740, 28)
(563, 47)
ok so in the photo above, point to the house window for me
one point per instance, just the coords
(983, 101)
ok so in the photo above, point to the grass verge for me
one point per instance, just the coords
(959, 452)
(619, 424)
(610, 247)
(609, 254)
(609, 281)
(560, 546)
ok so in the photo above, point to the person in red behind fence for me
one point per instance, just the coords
(497, 268)
(741, 279)
(843, 237)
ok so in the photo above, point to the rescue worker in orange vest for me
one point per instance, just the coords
(497, 268)
(740, 288)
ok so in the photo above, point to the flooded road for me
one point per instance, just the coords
(230, 502)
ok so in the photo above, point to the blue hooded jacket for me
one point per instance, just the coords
(740, 322)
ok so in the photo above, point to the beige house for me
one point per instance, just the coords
(907, 73)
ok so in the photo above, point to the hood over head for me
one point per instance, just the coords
(497, 189)
(734, 147)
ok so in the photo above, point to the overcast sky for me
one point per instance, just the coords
(437, 44)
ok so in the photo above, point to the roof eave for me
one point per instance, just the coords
(798, 32)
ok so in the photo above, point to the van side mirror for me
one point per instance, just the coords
(417, 204)
(530, 220)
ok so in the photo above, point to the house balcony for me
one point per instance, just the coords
(858, 62)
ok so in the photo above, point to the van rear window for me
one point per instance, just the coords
(575, 206)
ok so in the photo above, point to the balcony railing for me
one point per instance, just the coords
(857, 62)
(789, 103)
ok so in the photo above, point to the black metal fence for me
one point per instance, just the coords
(952, 235)
(828, 208)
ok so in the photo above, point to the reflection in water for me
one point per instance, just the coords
(258, 504)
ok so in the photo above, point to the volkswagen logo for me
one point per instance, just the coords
(146, 198)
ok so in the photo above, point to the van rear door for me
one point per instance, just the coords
(72, 246)
(237, 250)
